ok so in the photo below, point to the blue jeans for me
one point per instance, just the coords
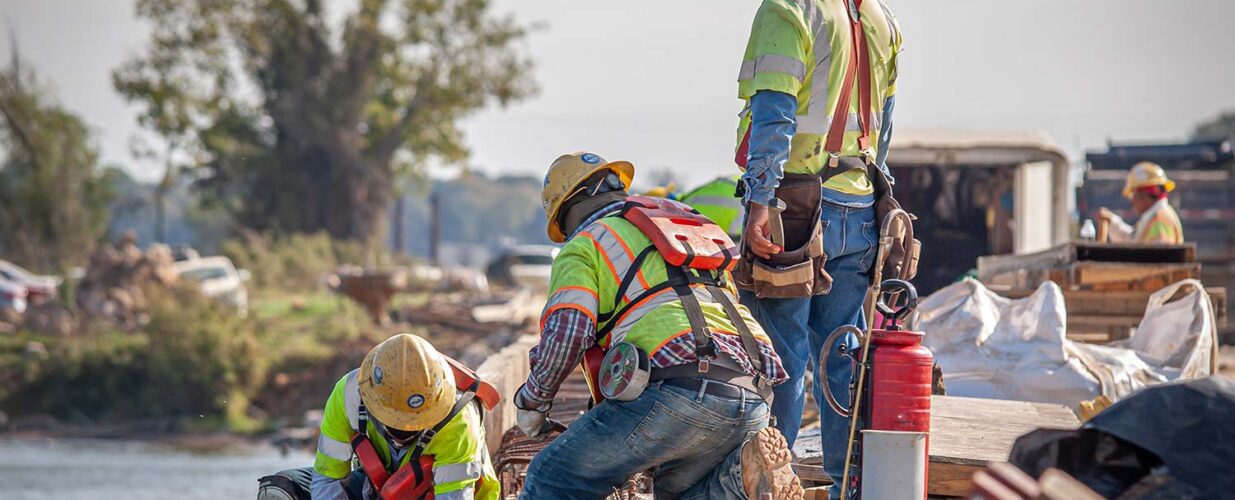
(799, 326)
(692, 440)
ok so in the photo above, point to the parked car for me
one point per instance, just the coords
(38, 287)
(12, 296)
(219, 279)
(523, 265)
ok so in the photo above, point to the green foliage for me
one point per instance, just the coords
(1217, 128)
(291, 262)
(193, 358)
(53, 199)
(306, 124)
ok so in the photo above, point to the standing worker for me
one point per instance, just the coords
(420, 412)
(1147, 187)
(716, 201)
(697, 413)
(818, 114)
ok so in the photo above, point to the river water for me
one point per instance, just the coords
(107, 469)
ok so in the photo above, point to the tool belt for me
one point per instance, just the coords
(723, 370)
(797, 271)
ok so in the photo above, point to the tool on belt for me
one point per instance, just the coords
(696, 251)
(798, 270)
(414, 480)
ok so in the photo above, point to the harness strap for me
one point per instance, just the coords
(631, 273)
(705, 351)
(427, 435)
(749, 343)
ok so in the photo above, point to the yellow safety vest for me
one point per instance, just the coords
(802, 48)
(588, 273)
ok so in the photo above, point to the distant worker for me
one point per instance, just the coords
(421, 415)
(716, 201)
(694, 409)
(668, 191)
(1147, 187)
(819, 101)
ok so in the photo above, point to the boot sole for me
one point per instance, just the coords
(773, 451)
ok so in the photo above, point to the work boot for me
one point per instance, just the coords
(766, 468)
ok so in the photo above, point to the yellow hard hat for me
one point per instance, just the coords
(662, 191)
(564, 178)
(405, 384)
(1145, 174)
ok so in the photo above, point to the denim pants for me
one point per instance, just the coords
(799, 326)
(691, 440)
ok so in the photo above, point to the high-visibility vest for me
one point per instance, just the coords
(802, 48)
(459, 453)
(587, 275)
(715, 201)
(1162, 226)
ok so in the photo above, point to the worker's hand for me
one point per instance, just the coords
(758, 230)
(532, 419)
(1106, 214)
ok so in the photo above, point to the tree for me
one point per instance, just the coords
(1218, 128)
(53, 198)
(301, 124)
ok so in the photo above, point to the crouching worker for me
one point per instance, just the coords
(681, 371)
(420, 412)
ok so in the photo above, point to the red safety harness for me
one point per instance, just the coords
(696, 252)
(414, 480)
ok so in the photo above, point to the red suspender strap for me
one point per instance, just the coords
(859, 60)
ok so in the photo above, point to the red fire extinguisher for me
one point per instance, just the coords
(897, 395)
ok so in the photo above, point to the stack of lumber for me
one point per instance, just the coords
(1106, 285)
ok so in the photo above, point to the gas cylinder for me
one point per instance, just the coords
(897, 392)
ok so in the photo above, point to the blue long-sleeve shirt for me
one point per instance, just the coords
(772, 125)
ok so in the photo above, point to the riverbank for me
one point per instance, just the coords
(73, 468)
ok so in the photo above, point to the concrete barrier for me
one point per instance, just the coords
(506, 370)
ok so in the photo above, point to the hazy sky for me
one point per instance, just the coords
(653, 81)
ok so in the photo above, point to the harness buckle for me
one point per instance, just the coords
(868, 156)
(833, 159)
(704, 365)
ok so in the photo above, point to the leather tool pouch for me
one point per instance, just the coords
(902, 259)
(798, 270)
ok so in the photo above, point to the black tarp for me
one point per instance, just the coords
(1187, 427)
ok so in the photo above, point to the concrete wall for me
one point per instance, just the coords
(506, 370)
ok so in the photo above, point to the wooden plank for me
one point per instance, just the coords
(1135, 252)
(966, 434)
(1117, 276)
(949, 480)
(1092, 311)
(992, 266)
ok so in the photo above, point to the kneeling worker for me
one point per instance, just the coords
(695, 409)
(422, 432)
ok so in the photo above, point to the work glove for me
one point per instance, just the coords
(534, 423)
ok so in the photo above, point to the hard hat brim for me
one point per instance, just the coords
(625, 171)
(1168, 185)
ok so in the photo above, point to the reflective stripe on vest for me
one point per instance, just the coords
(337, 450)
(826, 22)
